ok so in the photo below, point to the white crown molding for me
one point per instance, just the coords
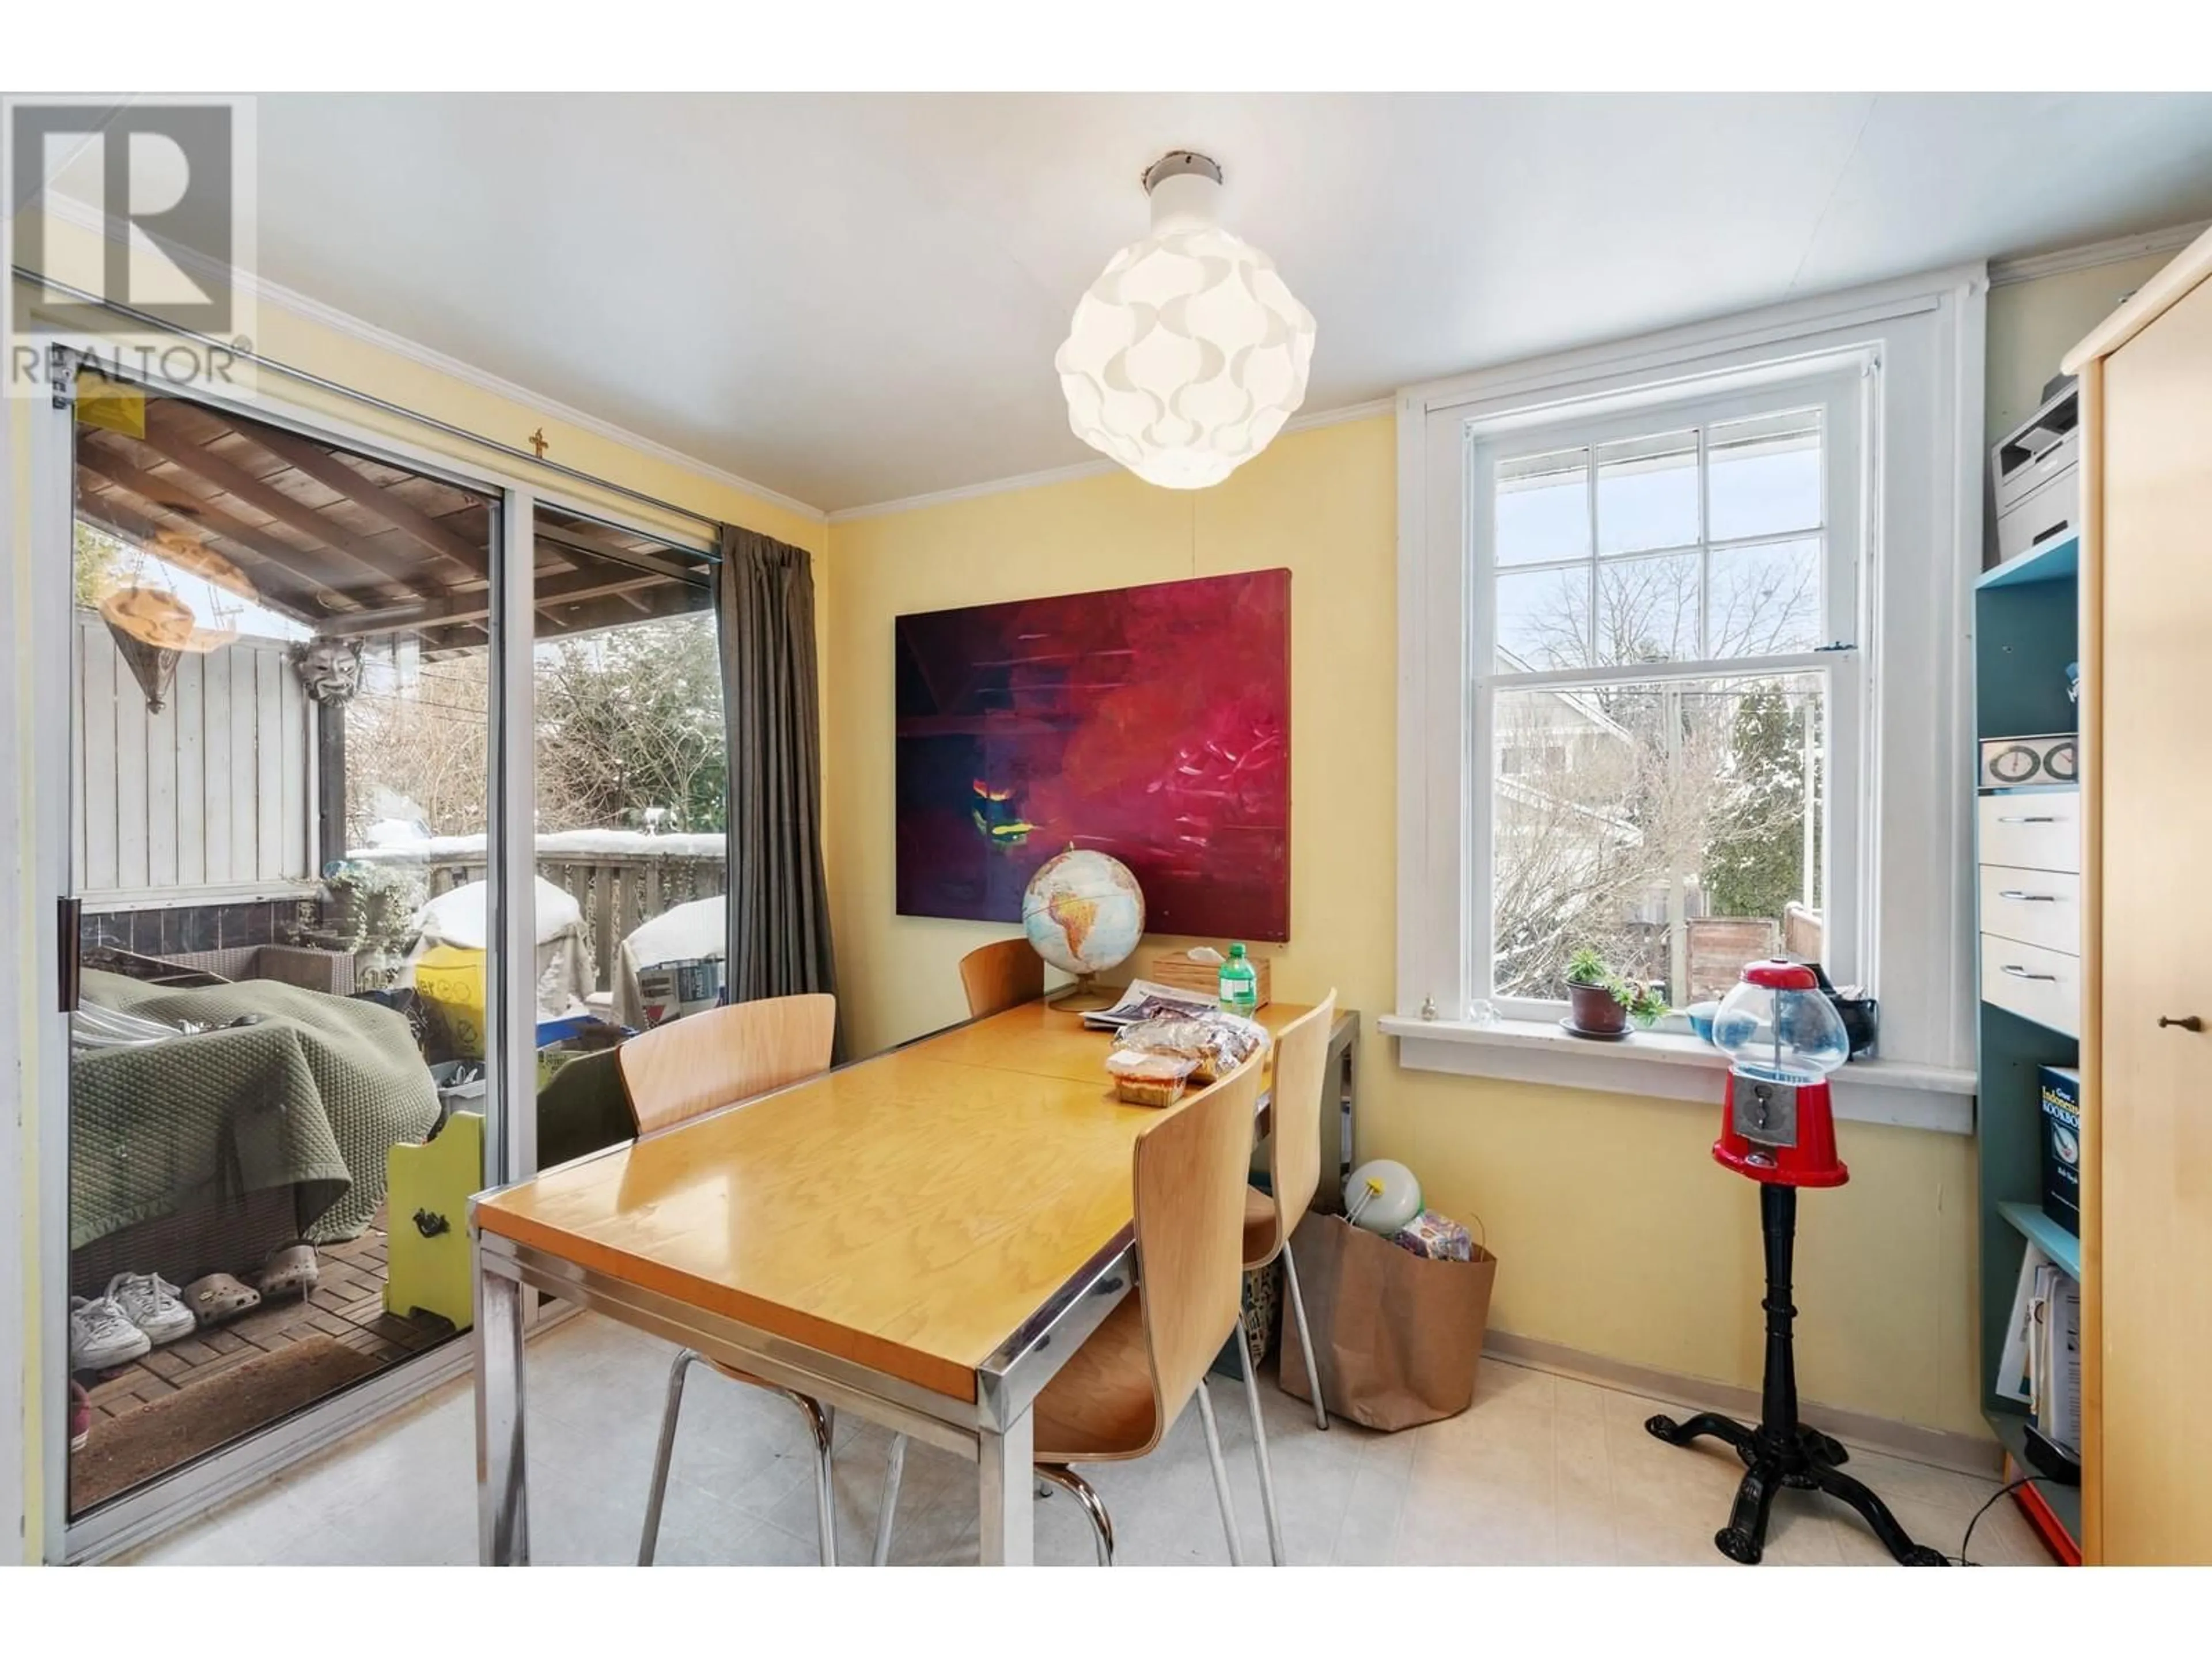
(2004, 272)
(1099, 469)
(70, 210)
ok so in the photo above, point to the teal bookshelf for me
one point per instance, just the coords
(2026, 629)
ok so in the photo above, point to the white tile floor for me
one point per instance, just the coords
(1542, 1470)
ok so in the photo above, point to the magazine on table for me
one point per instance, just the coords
(1146, 999)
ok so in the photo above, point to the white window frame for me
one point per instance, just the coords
(1838, 390)
(1905, 359)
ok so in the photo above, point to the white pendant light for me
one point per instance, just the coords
(1189, 352)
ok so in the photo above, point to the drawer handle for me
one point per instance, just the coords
(2019, 972)
(2187, 1023)
(2027, 899)
(2032, 818)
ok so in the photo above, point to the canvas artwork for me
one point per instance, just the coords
(1150, 723)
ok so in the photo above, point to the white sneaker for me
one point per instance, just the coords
(150, 1301)
(102, 1335)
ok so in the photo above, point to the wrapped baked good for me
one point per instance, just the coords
(1142, 1077)
(1220, 1043)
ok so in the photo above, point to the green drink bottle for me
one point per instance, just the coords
(1240, 985)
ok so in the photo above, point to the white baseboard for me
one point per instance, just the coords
(1971, 1454)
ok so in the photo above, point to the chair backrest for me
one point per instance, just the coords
(674, 1072)
(1001, 976)
(1294, 1131)
(1189, 1174)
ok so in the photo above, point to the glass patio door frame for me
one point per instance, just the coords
(510, 1152)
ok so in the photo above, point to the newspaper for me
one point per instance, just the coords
(1143, 1000)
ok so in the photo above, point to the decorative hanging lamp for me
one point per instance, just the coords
(152, 627)
(1189, 352)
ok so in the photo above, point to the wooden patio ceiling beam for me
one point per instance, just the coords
(570, 540)
(474, 607)
(163, 493)
(279, 585)
(582, 615)
(410, 521)
(241, 485)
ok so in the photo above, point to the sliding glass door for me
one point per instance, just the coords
(283, 765)
(392, 800)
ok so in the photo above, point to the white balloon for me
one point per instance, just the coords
(1397, 1203)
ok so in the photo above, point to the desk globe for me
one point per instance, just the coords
(1084, 914)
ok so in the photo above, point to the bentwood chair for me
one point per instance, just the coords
(678, 1072)
(1270, 1218)
(1119, 1393)
(1001, 976)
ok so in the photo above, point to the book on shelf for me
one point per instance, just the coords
(2057, 1402)
(2040, 1366)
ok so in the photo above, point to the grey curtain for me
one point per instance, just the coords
(779, 905)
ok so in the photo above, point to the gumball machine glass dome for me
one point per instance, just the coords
(1777, 1025)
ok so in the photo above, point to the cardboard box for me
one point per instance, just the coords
(2062, 1146)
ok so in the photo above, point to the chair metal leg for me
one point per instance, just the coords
(892, 1472)
(1305, 1336)
(684, 1363)
(1221, 1475)
(1094, 1506)
(1275, 1552)
(823, 1423)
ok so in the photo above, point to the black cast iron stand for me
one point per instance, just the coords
(1782, 1451)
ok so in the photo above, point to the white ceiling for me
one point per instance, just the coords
(854, 298)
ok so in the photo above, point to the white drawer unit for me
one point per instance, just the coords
(2035, 829)
(2043, 986)
(2037, 907)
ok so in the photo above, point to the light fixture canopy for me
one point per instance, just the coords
(1189, 354)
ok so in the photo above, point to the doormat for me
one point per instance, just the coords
(127, 1450)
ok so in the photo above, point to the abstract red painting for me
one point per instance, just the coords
(1152, 723)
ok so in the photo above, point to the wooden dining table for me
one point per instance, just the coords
(922, 1237)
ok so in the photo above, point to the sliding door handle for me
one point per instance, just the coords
(68, 950)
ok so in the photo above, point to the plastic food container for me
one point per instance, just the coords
(1146, 1078)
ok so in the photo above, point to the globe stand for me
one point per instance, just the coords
(1086, 996)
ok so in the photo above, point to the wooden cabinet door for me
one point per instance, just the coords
(2154, 1148)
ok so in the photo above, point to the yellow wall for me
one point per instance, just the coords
(2033, 325)
(367, 368)
(1617, 1234)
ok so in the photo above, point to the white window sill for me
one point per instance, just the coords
(1672, 1068)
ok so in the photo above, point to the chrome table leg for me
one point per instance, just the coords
(1004, 1478)
(502, 1494)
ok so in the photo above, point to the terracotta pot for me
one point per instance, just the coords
(1594, 1009)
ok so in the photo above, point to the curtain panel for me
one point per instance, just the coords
(779, 905)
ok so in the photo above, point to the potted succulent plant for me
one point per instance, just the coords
(1592, 1008)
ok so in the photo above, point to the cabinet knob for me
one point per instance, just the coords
(2187, 1022)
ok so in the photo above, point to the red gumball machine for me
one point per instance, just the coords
(1783, 1037)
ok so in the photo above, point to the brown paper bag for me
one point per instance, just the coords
(1396, 1336)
